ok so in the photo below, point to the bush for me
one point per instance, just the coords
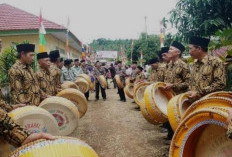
(7, 58)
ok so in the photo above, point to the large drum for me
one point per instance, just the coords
(119, 82)
(129, 90)
(32, 118)
(202, 134)
(61, 147)
(102, 81)
(139, 93)
(226, 94)
(69, 84)
(77, 98)
(35, 119)
(208, 102)
(176, 109)
(82, 84)
(156, 101)
(65, 112)
(86, 77)
(128, 81)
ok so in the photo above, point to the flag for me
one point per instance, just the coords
(82, 51)
(42, 32)
(162, 34)
(67, 39)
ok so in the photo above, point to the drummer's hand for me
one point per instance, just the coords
(18, 106)
(36, 136)
(168, 86)
(193, 95)
(229, 116)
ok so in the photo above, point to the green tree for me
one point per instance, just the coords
(201, 17)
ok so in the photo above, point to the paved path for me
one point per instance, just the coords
(116, 129)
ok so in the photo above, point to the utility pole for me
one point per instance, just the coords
(145, 18)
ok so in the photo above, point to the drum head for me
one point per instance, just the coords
(161, 100)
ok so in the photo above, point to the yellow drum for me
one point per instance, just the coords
(139, 93)
(119, 82)
(102, 81)
(64, 111)
(202, 134)
(156, 101)
(208, 102)
(77, 98)
(69, 84)
(82, 84)
(176, 109)
(226, 94)
(129, 90)
(61, 147)
(86, 77)
(92, 86)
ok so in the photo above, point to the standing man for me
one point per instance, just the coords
(176, 75)
(177, 71)
(98, 70)
(76, 66)
(113, 72)
(122, 73)
(207, 73)
(55, 69)
(133, 72)
(154, 71)
(139, 74)
(43, 75)
(23, 82)
(84, 69)
(68, 73)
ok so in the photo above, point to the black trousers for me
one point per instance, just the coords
(121, 93)
(114, 82)
(87, 95)
(103, 92)
(170, 131)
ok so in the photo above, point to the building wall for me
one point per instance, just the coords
(52, 43)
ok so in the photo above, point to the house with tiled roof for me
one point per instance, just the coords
(17, 25)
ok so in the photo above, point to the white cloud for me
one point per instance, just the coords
(92, 19)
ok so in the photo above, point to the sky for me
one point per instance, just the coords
(93, 19)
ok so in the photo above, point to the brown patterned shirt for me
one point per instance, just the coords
(122, 73)
(177, 74)
(46, 83)
(207, 75)
(98, 71)
(24, 85)
(140, 77)
(56, 76)
(10, 131)
(6, 107)
(162, 67)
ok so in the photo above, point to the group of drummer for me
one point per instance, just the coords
(201, 77)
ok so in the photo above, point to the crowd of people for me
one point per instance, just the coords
(205, 75)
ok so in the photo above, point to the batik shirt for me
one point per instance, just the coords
(140, 76)
(177, 74)
(97, 72)
(56, 76)
(6, 107)
(10, 131)
(24, 85)
(207, 75)
(122, 73)
(46, 83)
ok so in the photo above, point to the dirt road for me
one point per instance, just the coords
(116, 129)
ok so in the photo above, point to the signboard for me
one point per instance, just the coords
(107, 54)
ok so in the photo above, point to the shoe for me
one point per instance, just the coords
(96, 99)
(104, 99)
(137, 108)
(133, 102)
(124, 100)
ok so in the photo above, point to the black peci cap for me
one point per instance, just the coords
(178, 46)
(25, 48)
(42, 55)
(199, 41)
